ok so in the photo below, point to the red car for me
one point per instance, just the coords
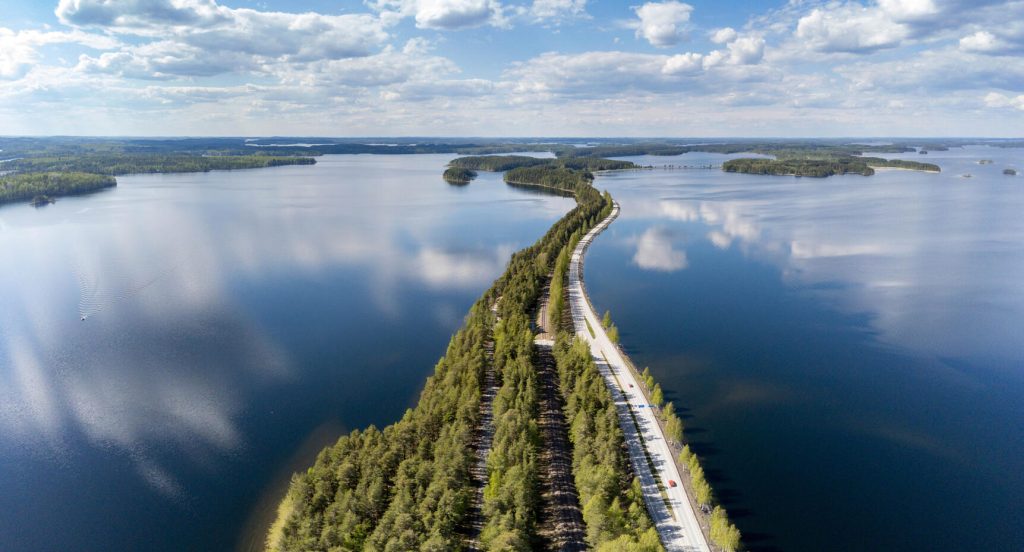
(672, 483)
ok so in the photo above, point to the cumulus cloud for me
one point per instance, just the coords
(164, 60)
(723, 35)
(854, 28)
(662, 24)
(616, 73)
(746, 50)
(18, 49)
(142, 14)
(221, 30)
(997, 100)
(445, 14)
(1009, 41)
(683, 64)
(804, 62)
(851, 29)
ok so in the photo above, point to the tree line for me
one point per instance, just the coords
(614, 512)
(612, 499)
(134, 163)
(26, 186)
(501, 163)
(797, 167)
(407, 487)
(458, 175)
(723, 532)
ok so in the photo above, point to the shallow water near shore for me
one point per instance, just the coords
(847, 351)
(167, 346)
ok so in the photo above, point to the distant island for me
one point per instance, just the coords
(458, 175)
(572, 162)
(565, 175)
(864, 166)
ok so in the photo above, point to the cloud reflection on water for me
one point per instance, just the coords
(891, 257)
(654, 251)
(157, 367)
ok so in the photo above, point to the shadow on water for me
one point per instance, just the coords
(254, 532)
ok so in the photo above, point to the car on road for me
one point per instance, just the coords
(672, 483)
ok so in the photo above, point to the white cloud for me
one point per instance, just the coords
(164, 60)
(654, 252)
(935, 71)
(927, 16)
(997, 100)
(799, 71)
(221, 30)
(18, 49)
(554, 9)
(911, 10)
(723, 35)
(662, 24)
(850, 28)
(681, 64)
(445, 14)
(746, 50)
(1009, 41)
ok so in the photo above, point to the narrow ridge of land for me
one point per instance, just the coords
(560, 523)
(482, 440)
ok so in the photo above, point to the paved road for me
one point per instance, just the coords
(676, 521)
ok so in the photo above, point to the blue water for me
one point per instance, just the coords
(848, 352)
(235, 322)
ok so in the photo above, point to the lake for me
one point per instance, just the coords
(848, 352)
(171, 350)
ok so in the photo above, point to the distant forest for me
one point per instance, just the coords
(119, 156)
(562, 174)
(821, 167)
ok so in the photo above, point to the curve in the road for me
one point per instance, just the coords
(649, 452)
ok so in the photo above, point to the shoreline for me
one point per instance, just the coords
(903, 169)
(654, 461)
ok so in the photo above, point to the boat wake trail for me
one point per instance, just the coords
(98, 290)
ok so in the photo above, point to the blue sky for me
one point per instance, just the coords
(512, 67)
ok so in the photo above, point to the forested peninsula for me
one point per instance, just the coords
(409, 486)
(566, 175)
(41, 169)
(42, 187)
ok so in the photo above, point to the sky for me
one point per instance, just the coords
(512, 68)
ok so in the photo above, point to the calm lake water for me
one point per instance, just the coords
(234, 323)
(849, 352)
